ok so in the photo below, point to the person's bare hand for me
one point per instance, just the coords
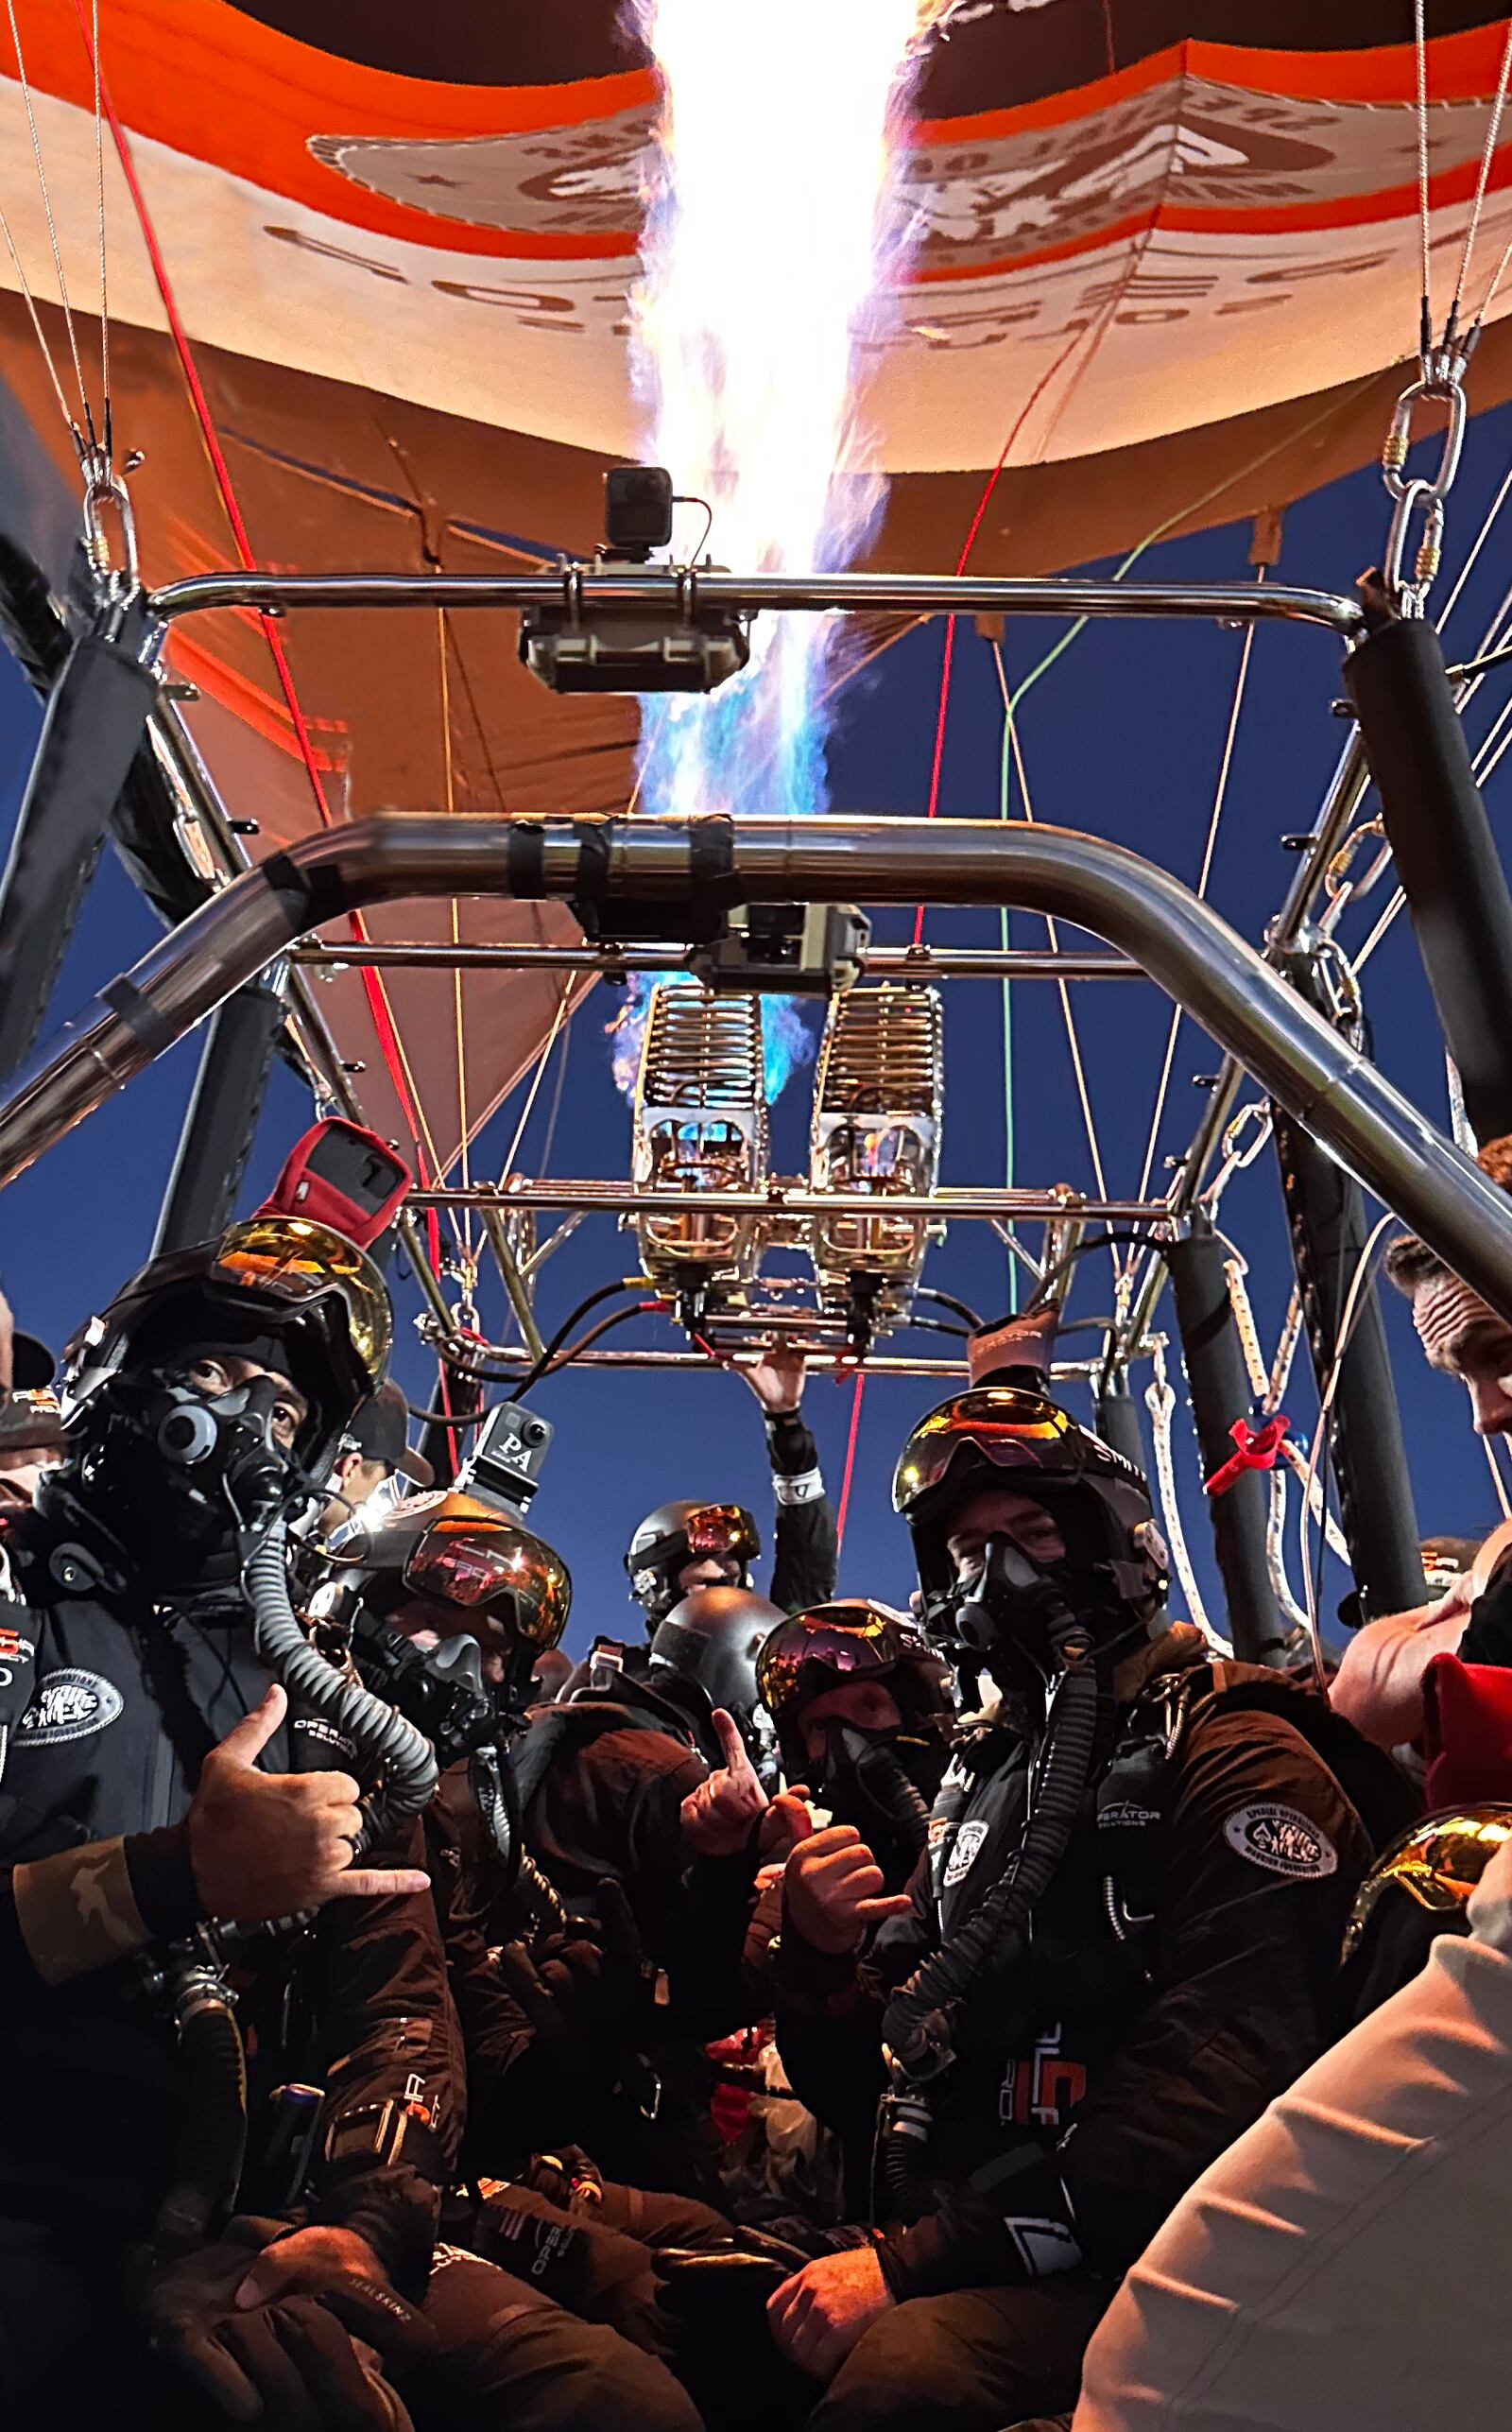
(835, 1892)
(267, 1845)
(786, 1822)
(308, 2262)
(817, 2317)
(777, 1379)
(718, 1817)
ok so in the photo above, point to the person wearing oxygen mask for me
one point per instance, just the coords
(232, 2090)
(642, 1813)
(1119, 1947)
(689, 1545)
(864, 1708)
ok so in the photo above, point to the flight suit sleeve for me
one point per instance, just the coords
(1266, 1853)
(391, 2055)
(805, 1553)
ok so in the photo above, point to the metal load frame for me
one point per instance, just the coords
(1153, 923)
(27, 1126)
(678, 592)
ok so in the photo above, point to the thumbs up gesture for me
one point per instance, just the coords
(264, 1845)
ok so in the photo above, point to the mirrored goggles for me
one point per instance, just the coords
(722, 1528)
(466, 1562)
(1006, 1426)
(850, 1645)
(296, 1260)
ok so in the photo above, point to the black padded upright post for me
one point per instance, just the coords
(217, 1138)
(1118, 1422)
(1218, 1382)
(1446, 858)
(1325, 1211)
(97, 715)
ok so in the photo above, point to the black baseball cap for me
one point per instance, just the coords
(379, 1432)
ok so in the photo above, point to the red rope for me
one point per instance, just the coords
(373, 985)
(849, 1463)
(966, 547)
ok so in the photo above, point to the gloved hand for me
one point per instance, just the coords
(305, 2362)
(589, 1991)
(568, 2178)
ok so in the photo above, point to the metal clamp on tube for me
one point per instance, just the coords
(1184, 945)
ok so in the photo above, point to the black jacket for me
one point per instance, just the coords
(94, 1866)
(805, 1553)
(1095, 2083)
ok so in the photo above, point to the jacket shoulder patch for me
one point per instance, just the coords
(1281, 1840)
(69, 1704)
(963, 1856)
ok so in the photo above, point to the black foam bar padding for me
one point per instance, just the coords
(97, 715)
(1447, 862)
(240, 1044)
(1218, 1382)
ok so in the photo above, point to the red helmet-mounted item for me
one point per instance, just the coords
(342, 1177)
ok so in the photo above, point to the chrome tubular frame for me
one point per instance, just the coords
(681, 590)
(1183, 944)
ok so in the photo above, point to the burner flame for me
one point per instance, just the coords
(773, 252)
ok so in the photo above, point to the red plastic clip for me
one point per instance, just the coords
(1257, 1450)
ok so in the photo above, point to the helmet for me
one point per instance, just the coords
(1014, 1436)
(280, 1290)
(505, 1587)
(677, 1534)
(177, 1476)
(853, 1638)
(709, 1644)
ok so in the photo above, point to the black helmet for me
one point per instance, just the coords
(280, 1289)
(853, 1638)
(504, 1587)
(676, 1534)
(1013, 1435)
(172, 1479)
(707, 1644)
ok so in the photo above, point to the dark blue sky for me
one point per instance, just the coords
(1123, 737)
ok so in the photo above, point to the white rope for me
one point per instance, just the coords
(1051, 927)
(1280, 1367)
(1159, 1400)
(1464, 575)
(1461, 1130)
(1420, 44)
(1487, 150)
(1245, 1324)
(1296, 1461)
(99, 187)
(1488, 1446)
(35, 323)
(1220, 793)
(47, 213)
(1292, 1612)
(1354, 1302)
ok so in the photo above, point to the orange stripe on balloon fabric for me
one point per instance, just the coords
(261, 710)
(208, 82)
(1461, 67)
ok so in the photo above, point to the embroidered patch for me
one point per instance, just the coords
(1281, 1839)
(963, 1856)
(68, 1705)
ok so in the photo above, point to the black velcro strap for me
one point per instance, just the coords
(126, 1002)
(525, 864)
(711, 858)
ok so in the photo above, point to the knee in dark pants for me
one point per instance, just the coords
(512, 2360)
(971, 2361)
